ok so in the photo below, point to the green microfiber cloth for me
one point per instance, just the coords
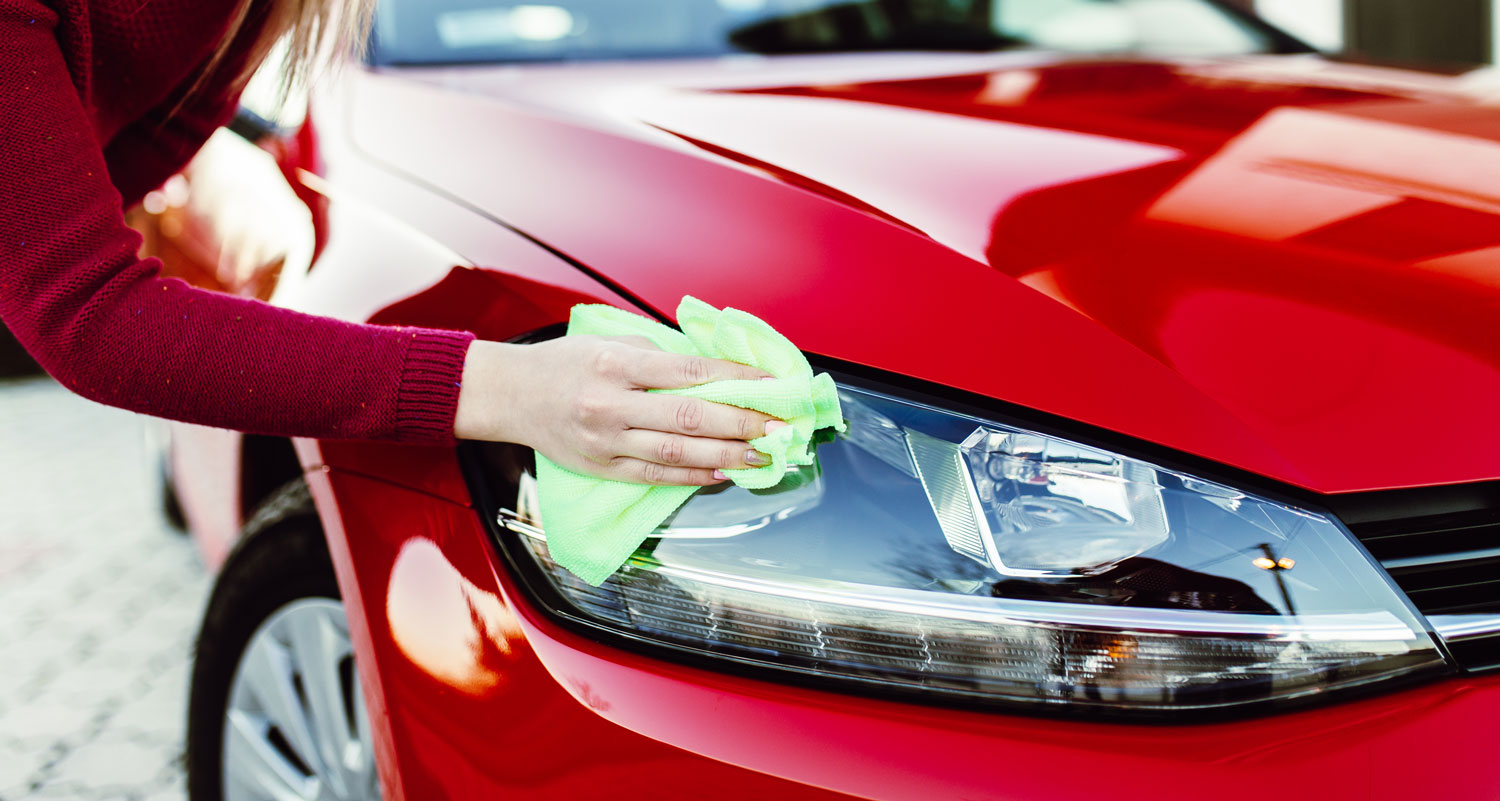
(593, 524)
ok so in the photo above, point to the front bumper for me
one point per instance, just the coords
(478, 695)
(885, 750)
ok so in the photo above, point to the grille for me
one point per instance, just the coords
(1447, 562)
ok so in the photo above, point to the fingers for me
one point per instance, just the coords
(634, 341)
(695, 418)
(676, 450)
(599, 422)
(638, 471)
(654, 369)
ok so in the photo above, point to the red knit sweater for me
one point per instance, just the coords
(85, 91)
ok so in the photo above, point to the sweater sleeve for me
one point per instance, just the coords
(109, 327)
(149, 150)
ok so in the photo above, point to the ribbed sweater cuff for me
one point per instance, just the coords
(428, 398)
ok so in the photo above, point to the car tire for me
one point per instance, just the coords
(157, 443)
(171, 508)
(275, 709)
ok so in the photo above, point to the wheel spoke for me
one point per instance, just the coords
(251, 762)
(317, 650)
(267, 674)
(288, 713)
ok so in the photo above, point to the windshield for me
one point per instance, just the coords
(458, 31)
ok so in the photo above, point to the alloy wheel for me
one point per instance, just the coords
(296, 728)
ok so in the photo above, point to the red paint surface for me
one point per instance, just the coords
(205, 472)
(1285, 266)
(1136, 245)
(486, 699)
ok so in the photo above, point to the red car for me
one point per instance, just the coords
(1167, 350)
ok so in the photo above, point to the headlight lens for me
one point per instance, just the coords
(939, 552)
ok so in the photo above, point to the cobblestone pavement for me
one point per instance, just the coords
(99, 603)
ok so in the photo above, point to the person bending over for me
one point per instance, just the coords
(103, 100)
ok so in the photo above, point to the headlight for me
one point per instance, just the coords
(942, 553)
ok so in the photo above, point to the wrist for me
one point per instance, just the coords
(487, 408)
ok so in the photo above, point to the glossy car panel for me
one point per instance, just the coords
(467, 710)
(497, 701)
(1154, 215)
(206, 475)
(1170, 250)
(499, 286)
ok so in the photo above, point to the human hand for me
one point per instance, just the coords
(582, 402)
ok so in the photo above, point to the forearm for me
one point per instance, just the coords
(105, 323)
(160, 347)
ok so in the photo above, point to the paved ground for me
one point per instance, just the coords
(99, 603)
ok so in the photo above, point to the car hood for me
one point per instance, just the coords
(1281, 264)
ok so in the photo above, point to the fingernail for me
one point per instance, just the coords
(772, 425)
(719, 475)
(769, 378)
(755, 457)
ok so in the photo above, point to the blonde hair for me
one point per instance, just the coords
(317, 33)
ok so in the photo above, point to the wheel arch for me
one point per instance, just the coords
(266, 465)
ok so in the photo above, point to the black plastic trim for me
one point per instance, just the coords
(1366, 508)
(1280, 43)
(1479, 655)
(1439, 545)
